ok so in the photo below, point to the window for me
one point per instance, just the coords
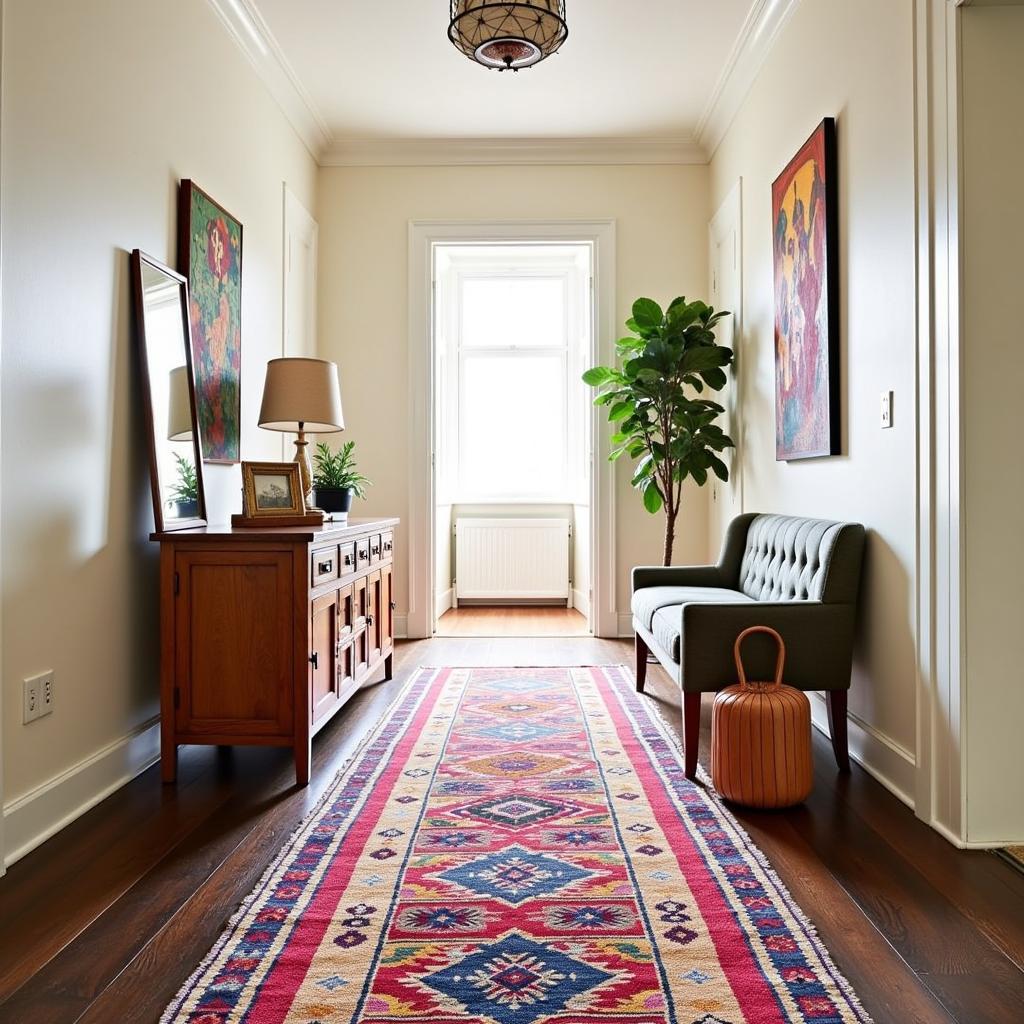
(513, 336)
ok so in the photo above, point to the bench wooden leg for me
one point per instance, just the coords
(641, 662)
(837, 702)
(691, 732)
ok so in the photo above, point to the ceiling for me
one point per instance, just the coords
(385, 70)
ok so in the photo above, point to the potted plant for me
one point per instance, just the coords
(654, 400)
(336, 478)
(184, 497)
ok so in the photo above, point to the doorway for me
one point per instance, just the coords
(513, 331)
(424, 238)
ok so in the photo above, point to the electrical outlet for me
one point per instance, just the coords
(886, 410)
(37, 697)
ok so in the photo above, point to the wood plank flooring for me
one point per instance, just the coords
(512, 621)
(105, 921)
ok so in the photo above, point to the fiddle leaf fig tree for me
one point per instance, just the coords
(655, 401)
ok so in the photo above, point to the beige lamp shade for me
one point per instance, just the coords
(302, 395)
(179, 406)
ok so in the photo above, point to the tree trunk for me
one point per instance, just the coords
(670, 533)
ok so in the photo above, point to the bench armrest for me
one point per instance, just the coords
(677, 576)
(818, 638)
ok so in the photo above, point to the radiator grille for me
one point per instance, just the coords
(505, 559)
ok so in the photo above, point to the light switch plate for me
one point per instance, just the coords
(886, 410)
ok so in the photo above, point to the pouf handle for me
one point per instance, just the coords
(779, 662)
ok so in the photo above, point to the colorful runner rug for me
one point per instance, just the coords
(518, 846)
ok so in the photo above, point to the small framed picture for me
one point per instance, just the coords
(272, 489)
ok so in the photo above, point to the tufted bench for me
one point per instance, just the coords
(799, 576)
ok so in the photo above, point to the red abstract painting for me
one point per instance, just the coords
(805, 229)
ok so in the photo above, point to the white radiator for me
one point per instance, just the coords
(506, 559)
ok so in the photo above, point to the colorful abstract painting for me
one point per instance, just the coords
(518, 846)
(805, 225)
(211, 258)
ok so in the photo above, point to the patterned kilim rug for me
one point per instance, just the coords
(518, 846)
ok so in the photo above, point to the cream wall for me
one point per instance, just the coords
(853, 61)
(993, 419)
(106, 106)
(661, 218)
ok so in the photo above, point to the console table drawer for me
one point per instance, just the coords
(324, 565)
(347, 558)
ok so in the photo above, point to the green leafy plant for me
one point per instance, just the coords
(186, 487)
(338, 470)
(654, 400)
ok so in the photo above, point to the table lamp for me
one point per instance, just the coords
(302, 396)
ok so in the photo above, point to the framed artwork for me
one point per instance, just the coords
(210, 256)
(805, 222)
(272, 489)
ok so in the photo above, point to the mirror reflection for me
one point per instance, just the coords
(162, 311)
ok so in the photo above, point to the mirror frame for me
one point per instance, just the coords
(138, 259)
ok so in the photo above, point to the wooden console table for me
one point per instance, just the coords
(267, 632)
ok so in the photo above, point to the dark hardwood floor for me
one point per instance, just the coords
(105, 921)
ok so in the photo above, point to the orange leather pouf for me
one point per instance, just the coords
(761, 738)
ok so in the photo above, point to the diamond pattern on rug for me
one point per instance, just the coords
(515, 765)
(516, 811)
(515, 875)
(516, 981)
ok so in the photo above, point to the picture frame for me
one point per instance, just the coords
(805, 258)
(272, 490)
(210, 258)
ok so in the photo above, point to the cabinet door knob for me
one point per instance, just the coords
(314, 660)
(369, 620)
(392, 605)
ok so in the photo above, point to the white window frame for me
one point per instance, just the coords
(421, 513)
(456, 265)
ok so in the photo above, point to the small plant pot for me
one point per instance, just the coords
(186, 509)
(334, 499)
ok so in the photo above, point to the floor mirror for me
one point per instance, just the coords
(168, 387)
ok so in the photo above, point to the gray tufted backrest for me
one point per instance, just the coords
(787, 558)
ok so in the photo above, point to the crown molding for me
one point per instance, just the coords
(251, 33)
(447, 152)
(763, 24)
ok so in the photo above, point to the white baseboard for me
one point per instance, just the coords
(581, 602)
(445, 600)
(31, 819)
(879, 755)
(626, 625)
(401, 627)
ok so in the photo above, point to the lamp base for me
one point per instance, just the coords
(306, 473)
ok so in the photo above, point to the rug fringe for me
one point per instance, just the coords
(758, 855)
(174, 1008)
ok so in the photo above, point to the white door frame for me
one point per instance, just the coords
(725, 227)
(3, 849)
(423, 237)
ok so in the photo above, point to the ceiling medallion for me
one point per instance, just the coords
(508, 36)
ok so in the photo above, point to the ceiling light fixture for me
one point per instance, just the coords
(508, 36)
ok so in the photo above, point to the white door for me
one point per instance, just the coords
(725, 262)
(300, 256)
